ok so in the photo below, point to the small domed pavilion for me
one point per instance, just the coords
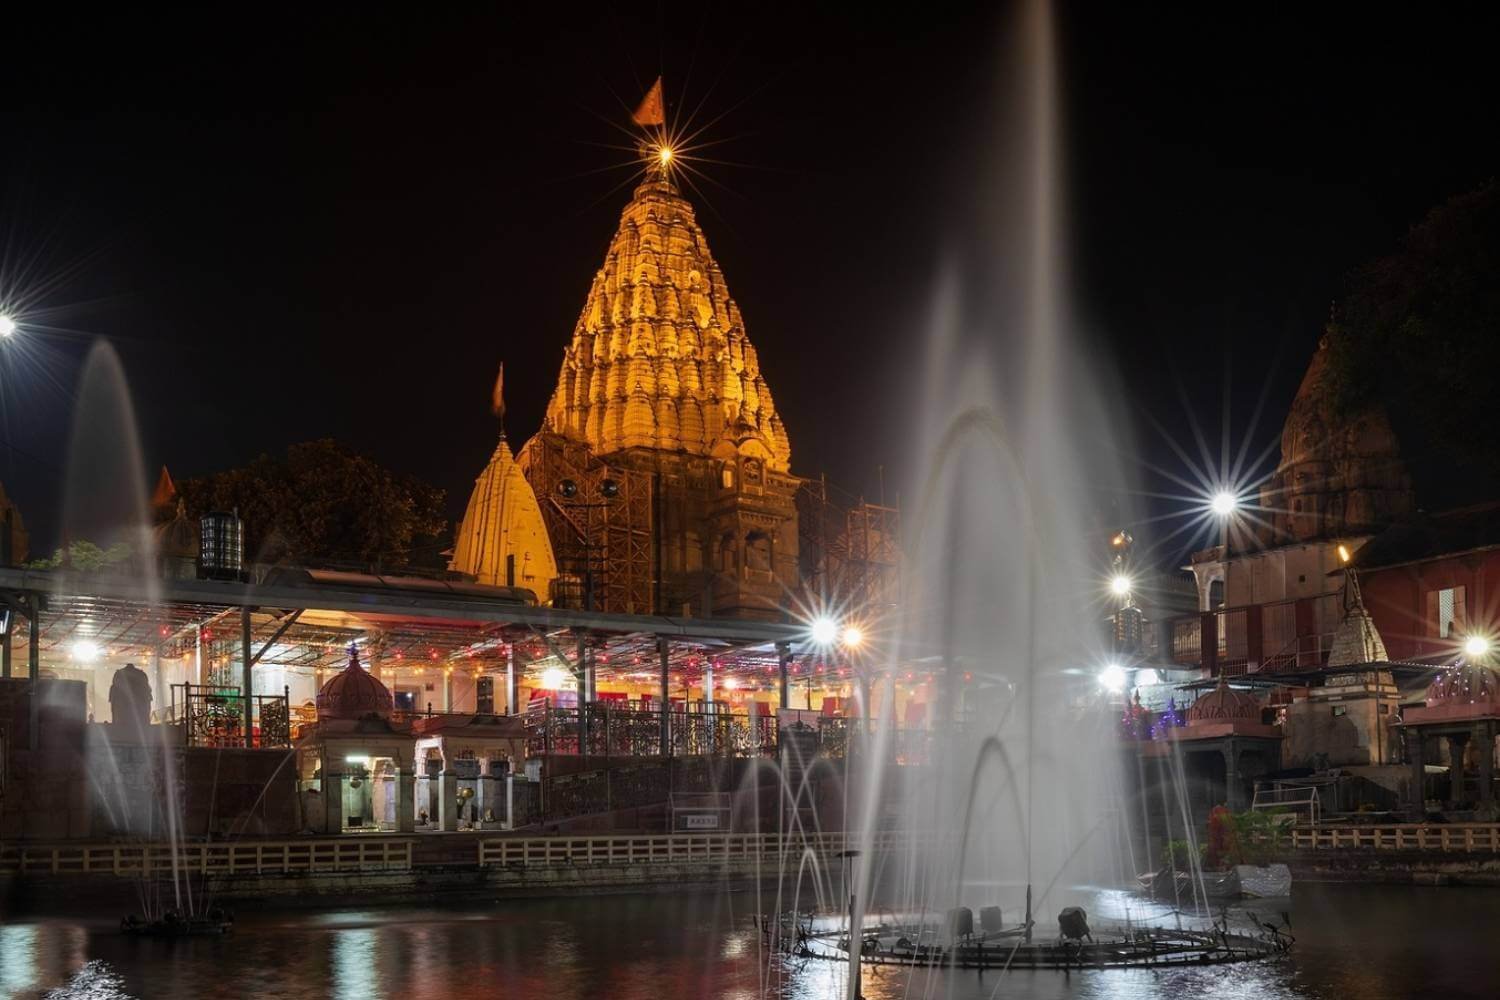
(356, 763)
(1462, 707)
(1225, 746)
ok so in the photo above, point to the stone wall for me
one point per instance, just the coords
(43, 791)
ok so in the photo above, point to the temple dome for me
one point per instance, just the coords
(1224, 704)
(659, 357)
(178, 538)
(1465, 684)
(354, 694)
(504, 520)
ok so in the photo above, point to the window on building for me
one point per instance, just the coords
(1339, 710)
(1446, 612)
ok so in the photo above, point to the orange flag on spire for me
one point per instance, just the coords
(497, 401)
(652, 111)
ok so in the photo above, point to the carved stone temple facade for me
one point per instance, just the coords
(1339, 481)
(1340, 475)
(662, 469)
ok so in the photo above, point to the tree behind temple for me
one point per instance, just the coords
(323, 505)
(1419, 333)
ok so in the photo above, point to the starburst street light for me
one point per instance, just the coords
(853, 637)
(1224, 503)
(1112, 678)
(1119, 584)
(1476, 646)
(7, 325)
(664, 156)
(824, 631)
(552, 679)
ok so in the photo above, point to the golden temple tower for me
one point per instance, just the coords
(665, 430)
(502, 540)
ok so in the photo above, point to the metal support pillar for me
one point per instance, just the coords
(247, 658)
(34, 639)
(580, 676)
(784, 659)
(512, 693)
(664, 653)
(5, 646)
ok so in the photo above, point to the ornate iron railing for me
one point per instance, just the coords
(214, 716)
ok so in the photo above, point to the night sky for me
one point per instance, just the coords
(295, 226)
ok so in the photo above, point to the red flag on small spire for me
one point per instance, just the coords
(497, 400)
(652, 111)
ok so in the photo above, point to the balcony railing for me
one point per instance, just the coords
(1279, 636)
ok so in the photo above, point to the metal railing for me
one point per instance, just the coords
(1457, 837)
(347, 854)
(553, 852)
(214, 716)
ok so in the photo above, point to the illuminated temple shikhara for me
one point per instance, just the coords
(679, 496)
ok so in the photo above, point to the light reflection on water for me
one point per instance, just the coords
(1358, 942)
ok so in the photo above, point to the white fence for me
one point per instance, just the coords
(349, 854)
(1461, 837)
(552, 852)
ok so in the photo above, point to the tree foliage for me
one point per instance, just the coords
(324, 505)
(1419, 333)
(85, 557)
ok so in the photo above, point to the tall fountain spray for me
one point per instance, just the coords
(105, 502)
(1000, 590)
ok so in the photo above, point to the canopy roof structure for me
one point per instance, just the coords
(310, 626)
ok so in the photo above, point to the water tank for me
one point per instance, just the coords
(221, 550)
(989, 920)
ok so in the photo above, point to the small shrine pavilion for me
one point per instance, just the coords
(1462, 708)
(1225, 745)
(356, 765)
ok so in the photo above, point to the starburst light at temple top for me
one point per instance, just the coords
(666, 144)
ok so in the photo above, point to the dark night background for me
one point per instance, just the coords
(298, 225)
